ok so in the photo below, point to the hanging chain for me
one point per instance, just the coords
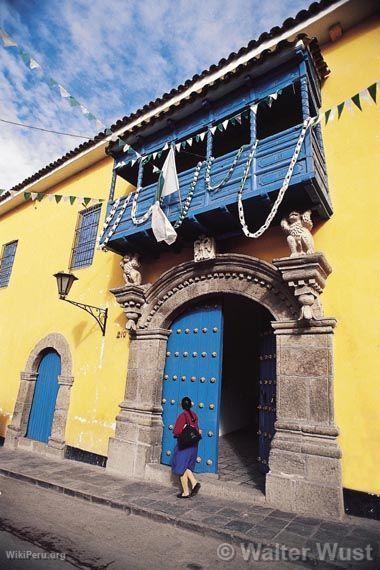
(307, 123)
(145, 217)
(107, 223)
(117, 221)
(189, 197)
(209, 162)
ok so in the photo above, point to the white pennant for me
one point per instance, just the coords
(7, 40)
(189, 141)
(63, 91)
(84, 109)
(154, 155)
(133, 161)
(365, 96)
(126, 147)
(65, 198)
(178, 147)
(213, 129)
(202, 135)
(332, 114)
(51, 197)
(254, 108)
(161, 226)
(33, 64)
(274, 96)
(349, 105)
(166, 146)
(225, 123)
(33, 195)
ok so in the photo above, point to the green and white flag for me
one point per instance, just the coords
(168, 181)
(161, 227)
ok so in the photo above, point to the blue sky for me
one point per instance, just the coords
(113, 56)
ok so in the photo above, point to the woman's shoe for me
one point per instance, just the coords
(195, 489)
(180, 496)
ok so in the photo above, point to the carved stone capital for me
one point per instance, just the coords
(132, 299)
(307, 275)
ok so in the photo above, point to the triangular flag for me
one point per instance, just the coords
(50, 197)
(63, 91)
(86, 201)
(166, 146)
(372, 91)
(213, 129)
(202, 135)
(133, 161)
(91, 117)
(178, 147)
(189, 141)
(225, 123)
(349, 106)
(156, 170)
(327, 115)
(85, 111)
(33, 195)
(340, 109)
(154, 155)
(168, 182)
(161, 227)
(274, 96)
(7, 40)
(356, 100)
(220, 127)
(40, 196)
(58, 198)
(33, 64)
(73, 102)
(26, 195)
(24, 56)
(72, 199)
(364, 95)
(253, 109)
(183, 144)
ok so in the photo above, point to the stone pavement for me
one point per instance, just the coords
(222, 518)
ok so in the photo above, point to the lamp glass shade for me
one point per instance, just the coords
(64, 282)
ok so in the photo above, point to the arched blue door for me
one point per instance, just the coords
(193, 368)
(44, 398)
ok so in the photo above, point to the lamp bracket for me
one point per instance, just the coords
(99, 314)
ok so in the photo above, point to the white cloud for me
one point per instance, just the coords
(114, 57)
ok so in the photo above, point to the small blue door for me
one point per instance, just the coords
(44, 398)
(267, 398)
(194, 368)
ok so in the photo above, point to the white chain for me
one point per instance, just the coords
(138, 221)
(117, 221)
(307, 123)
(209, 162)
(107, 222)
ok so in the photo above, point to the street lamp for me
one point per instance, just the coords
(64, 283)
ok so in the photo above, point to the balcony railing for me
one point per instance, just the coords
(215, 213)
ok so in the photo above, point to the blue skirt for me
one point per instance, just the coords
(184, 459)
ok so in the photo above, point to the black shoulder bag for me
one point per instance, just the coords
(189, 436)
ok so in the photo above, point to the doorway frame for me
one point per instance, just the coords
(305, 470)
(17, 429)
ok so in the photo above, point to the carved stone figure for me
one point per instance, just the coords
(204, 248)
(130, 264)
(298, 227)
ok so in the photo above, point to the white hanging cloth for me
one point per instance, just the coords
(170, 183)
(161, 227)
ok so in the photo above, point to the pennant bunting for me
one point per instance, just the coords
(72, 199)
(178, 147)
(202, 135)
(64, 94)
(327, 115)
(86, 201)
(340, 109)
(349, 106)
(33, 64)
(40, 196)
(213, 129)
(253, 109)
(225, 124)
(33, 195)
(372, 91)
(356, 99)
(7, 40)
(58, 198)
(166, 146)
(26, 195)
(189, 141)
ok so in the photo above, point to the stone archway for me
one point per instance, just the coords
(15, 436)
(304, 460)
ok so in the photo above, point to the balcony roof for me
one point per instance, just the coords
(255, 53)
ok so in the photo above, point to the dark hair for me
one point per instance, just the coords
(186, 403)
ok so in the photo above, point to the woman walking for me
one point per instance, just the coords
(183, 461)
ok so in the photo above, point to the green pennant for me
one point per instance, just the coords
(233, 121)
(197, 138)
(24, 56)
(58, 198)
(340, 109)
(91, 117)
(27, 195)
(183, 144)
(73, 102)
(72, 199)
(220, 127)
(327, 115)
(86, 201)
(372, 91)
(40, 196)
(356, 99)
(159, 154)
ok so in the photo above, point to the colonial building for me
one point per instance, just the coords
(250, 288)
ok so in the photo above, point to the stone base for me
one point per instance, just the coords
(128, 458)
(296, 494)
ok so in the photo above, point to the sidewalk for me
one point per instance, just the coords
(228, 520)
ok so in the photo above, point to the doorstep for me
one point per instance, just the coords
(221, 517)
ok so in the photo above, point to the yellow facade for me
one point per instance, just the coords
(30, 308)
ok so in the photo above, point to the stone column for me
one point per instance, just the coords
(19, 424)
(56, 443)
(138, 432)
(304, 462)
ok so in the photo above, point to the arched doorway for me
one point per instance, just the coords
(221, 353)
(304, 463)
(44, 397)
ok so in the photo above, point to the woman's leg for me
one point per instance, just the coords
(185, 483)
(191, 478)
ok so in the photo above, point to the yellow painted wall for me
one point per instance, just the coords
(350, 241)
(30, 309)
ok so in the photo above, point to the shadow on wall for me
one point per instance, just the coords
(78, 330)
(4, 421)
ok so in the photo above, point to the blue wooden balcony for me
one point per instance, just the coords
(215, 213)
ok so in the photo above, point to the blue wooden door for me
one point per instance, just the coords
(44, 398)
(267, 398)
(194, 369)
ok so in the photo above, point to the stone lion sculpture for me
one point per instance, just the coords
(130, 264)
(298, 227)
